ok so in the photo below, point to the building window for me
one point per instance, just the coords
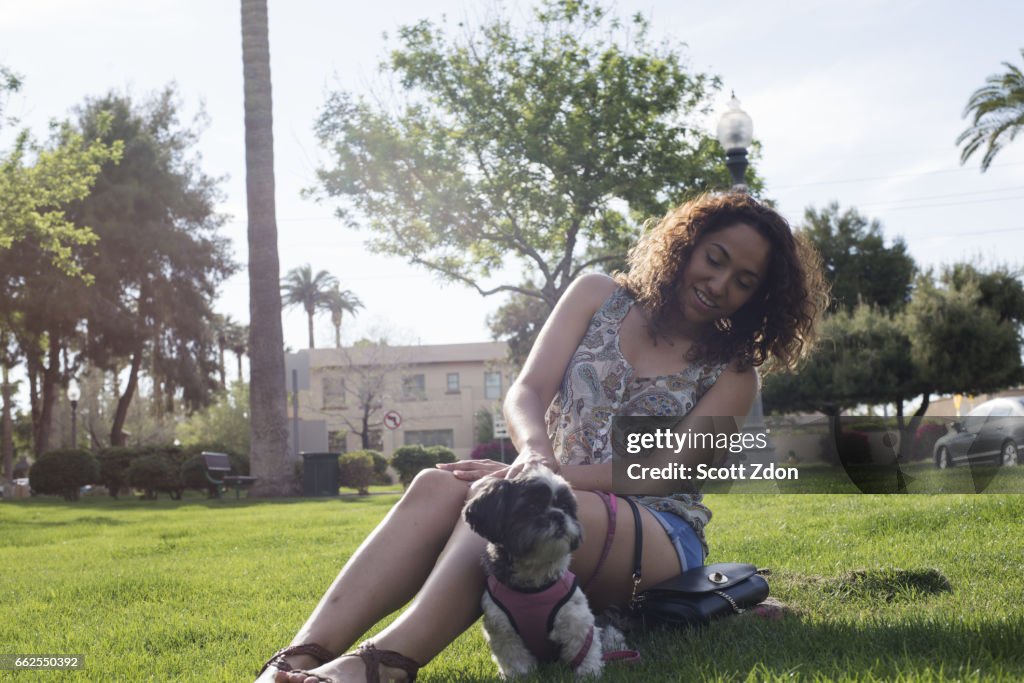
(430, 437)
(375, 439)
(453, 383)
(337, 441)
(334, 392)
(414, 388)
(492, 386)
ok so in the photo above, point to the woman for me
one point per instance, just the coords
(716, 288)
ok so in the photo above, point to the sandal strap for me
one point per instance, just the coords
(280, 659)
(373, 658)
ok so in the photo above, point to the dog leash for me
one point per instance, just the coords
(612, 506)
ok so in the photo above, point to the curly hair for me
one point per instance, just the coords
(779, 322)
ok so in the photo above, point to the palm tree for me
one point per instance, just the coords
(267, 410)
(337, 301)
(998, 108)
(238, 344)
(301, 288)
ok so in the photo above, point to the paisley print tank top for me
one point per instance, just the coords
(599, 383)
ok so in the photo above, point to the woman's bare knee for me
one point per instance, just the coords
(436, 488)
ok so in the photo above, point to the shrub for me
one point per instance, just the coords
(156, 473)
(409, 461)
(380, 467)
(924, 439)
(63, 472)
(114, 462)
(441, 454)
(492, 451)
(355, 470)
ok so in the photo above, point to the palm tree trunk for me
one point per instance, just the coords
(269, 456)
(312, 345)
(337, 336)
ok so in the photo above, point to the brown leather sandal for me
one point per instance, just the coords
(280, 659)
(373, 658)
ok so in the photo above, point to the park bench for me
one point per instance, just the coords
(220, 463)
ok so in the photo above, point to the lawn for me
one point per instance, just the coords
(886, 588)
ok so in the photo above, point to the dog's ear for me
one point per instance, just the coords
(485, 511)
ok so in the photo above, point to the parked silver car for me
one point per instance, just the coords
(990, 434)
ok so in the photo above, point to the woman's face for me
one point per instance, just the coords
(726, 268)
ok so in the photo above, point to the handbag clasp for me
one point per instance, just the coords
(717, 577)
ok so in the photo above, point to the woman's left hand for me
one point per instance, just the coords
(471, 470)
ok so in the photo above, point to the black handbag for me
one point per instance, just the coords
(697, 596)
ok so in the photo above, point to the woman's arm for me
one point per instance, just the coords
(529, 397)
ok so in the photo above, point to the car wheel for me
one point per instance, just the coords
(1009, 454)
(942, 460)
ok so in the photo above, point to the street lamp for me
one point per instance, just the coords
(73, 395)
(735, 133)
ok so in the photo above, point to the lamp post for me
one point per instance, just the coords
(73, 395)
(735, 133)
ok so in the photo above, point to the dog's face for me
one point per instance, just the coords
(533, 514)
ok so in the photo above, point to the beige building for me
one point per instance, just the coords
(430, 394)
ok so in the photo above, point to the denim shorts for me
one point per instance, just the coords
(683, 537)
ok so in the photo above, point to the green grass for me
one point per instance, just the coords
(886, 588)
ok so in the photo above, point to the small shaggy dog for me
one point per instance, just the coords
(534, 611)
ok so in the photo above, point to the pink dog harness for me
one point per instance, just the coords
(533, 614)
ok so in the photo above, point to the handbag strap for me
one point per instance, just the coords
(638, 551)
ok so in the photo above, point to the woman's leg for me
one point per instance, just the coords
(389, 567)
(450, 600)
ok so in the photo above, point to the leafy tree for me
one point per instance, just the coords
(518, 321)
(998, 115)
(958, 344)
(270, 453)
(300, 287)
(226, 422)
(338, 301)
(858, 265)
(540, 147)
(161, 259)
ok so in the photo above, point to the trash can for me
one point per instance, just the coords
(320, 474)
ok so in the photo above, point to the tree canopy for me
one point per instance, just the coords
(858, 265)
(542, 147)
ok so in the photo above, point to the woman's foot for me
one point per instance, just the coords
(353, 666)
(293, 657)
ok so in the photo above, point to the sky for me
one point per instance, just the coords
(858, 102)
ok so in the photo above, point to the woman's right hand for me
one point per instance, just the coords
(530, 458)
(471, 470)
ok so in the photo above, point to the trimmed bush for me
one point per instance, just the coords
(156, 473)
(441, 454)
(355, 470)
(409, 461)
(63, 472)
(380, 467)
(114, 462)
(492, 451)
